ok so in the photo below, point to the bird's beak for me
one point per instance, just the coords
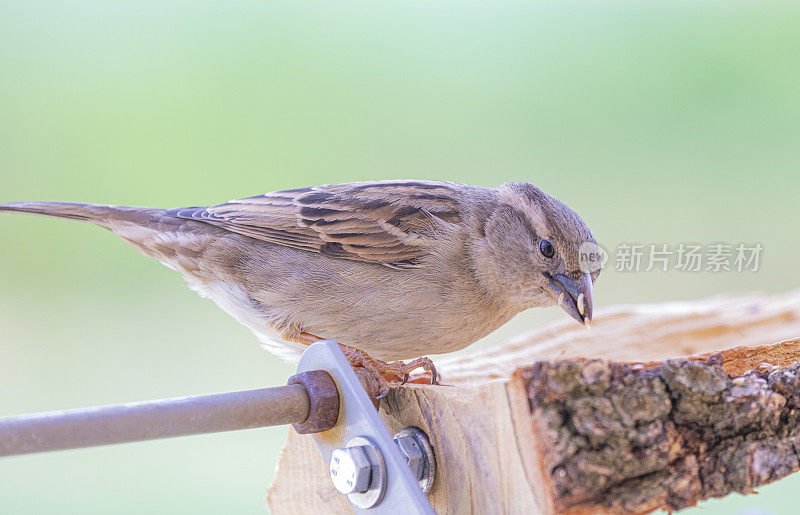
(574, 295)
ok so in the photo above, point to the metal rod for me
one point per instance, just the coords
(150, 420)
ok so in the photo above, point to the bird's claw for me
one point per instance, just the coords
(398, 367)
(434, 377)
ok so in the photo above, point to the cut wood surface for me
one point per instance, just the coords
(569, 420)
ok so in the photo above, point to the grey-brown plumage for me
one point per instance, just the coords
(397, 269)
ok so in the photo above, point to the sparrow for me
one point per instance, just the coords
(391, 270)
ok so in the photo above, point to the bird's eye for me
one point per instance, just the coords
(546, 248)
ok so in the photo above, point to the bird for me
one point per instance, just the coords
(391, 270)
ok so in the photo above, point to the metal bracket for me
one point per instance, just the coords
(359, 419)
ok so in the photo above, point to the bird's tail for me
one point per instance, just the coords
(175, 242)
(97, 214)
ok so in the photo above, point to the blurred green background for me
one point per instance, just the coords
(659, 122)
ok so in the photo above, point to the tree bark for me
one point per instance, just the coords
(565, 420)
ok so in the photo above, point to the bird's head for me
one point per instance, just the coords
(536, 248)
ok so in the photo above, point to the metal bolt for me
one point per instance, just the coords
(413, 454)
(358, 471)
(351, 470)
(415, 446)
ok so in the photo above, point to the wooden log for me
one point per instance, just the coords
(565, 420)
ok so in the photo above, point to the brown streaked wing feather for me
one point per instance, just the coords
(388, 222)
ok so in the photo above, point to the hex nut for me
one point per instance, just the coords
(350, 470)
(323, 400)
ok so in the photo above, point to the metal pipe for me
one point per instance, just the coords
(150, 420)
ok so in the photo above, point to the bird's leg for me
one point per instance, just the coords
(391, 370)
(306, 338)
(379, 370)
(359, 358)
(356, 358)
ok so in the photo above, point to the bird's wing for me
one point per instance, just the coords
(388, 222)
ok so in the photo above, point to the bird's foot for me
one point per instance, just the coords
(428, 375)
(395, 372)
(380, 372)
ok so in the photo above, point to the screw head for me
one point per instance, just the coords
(350, 469)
